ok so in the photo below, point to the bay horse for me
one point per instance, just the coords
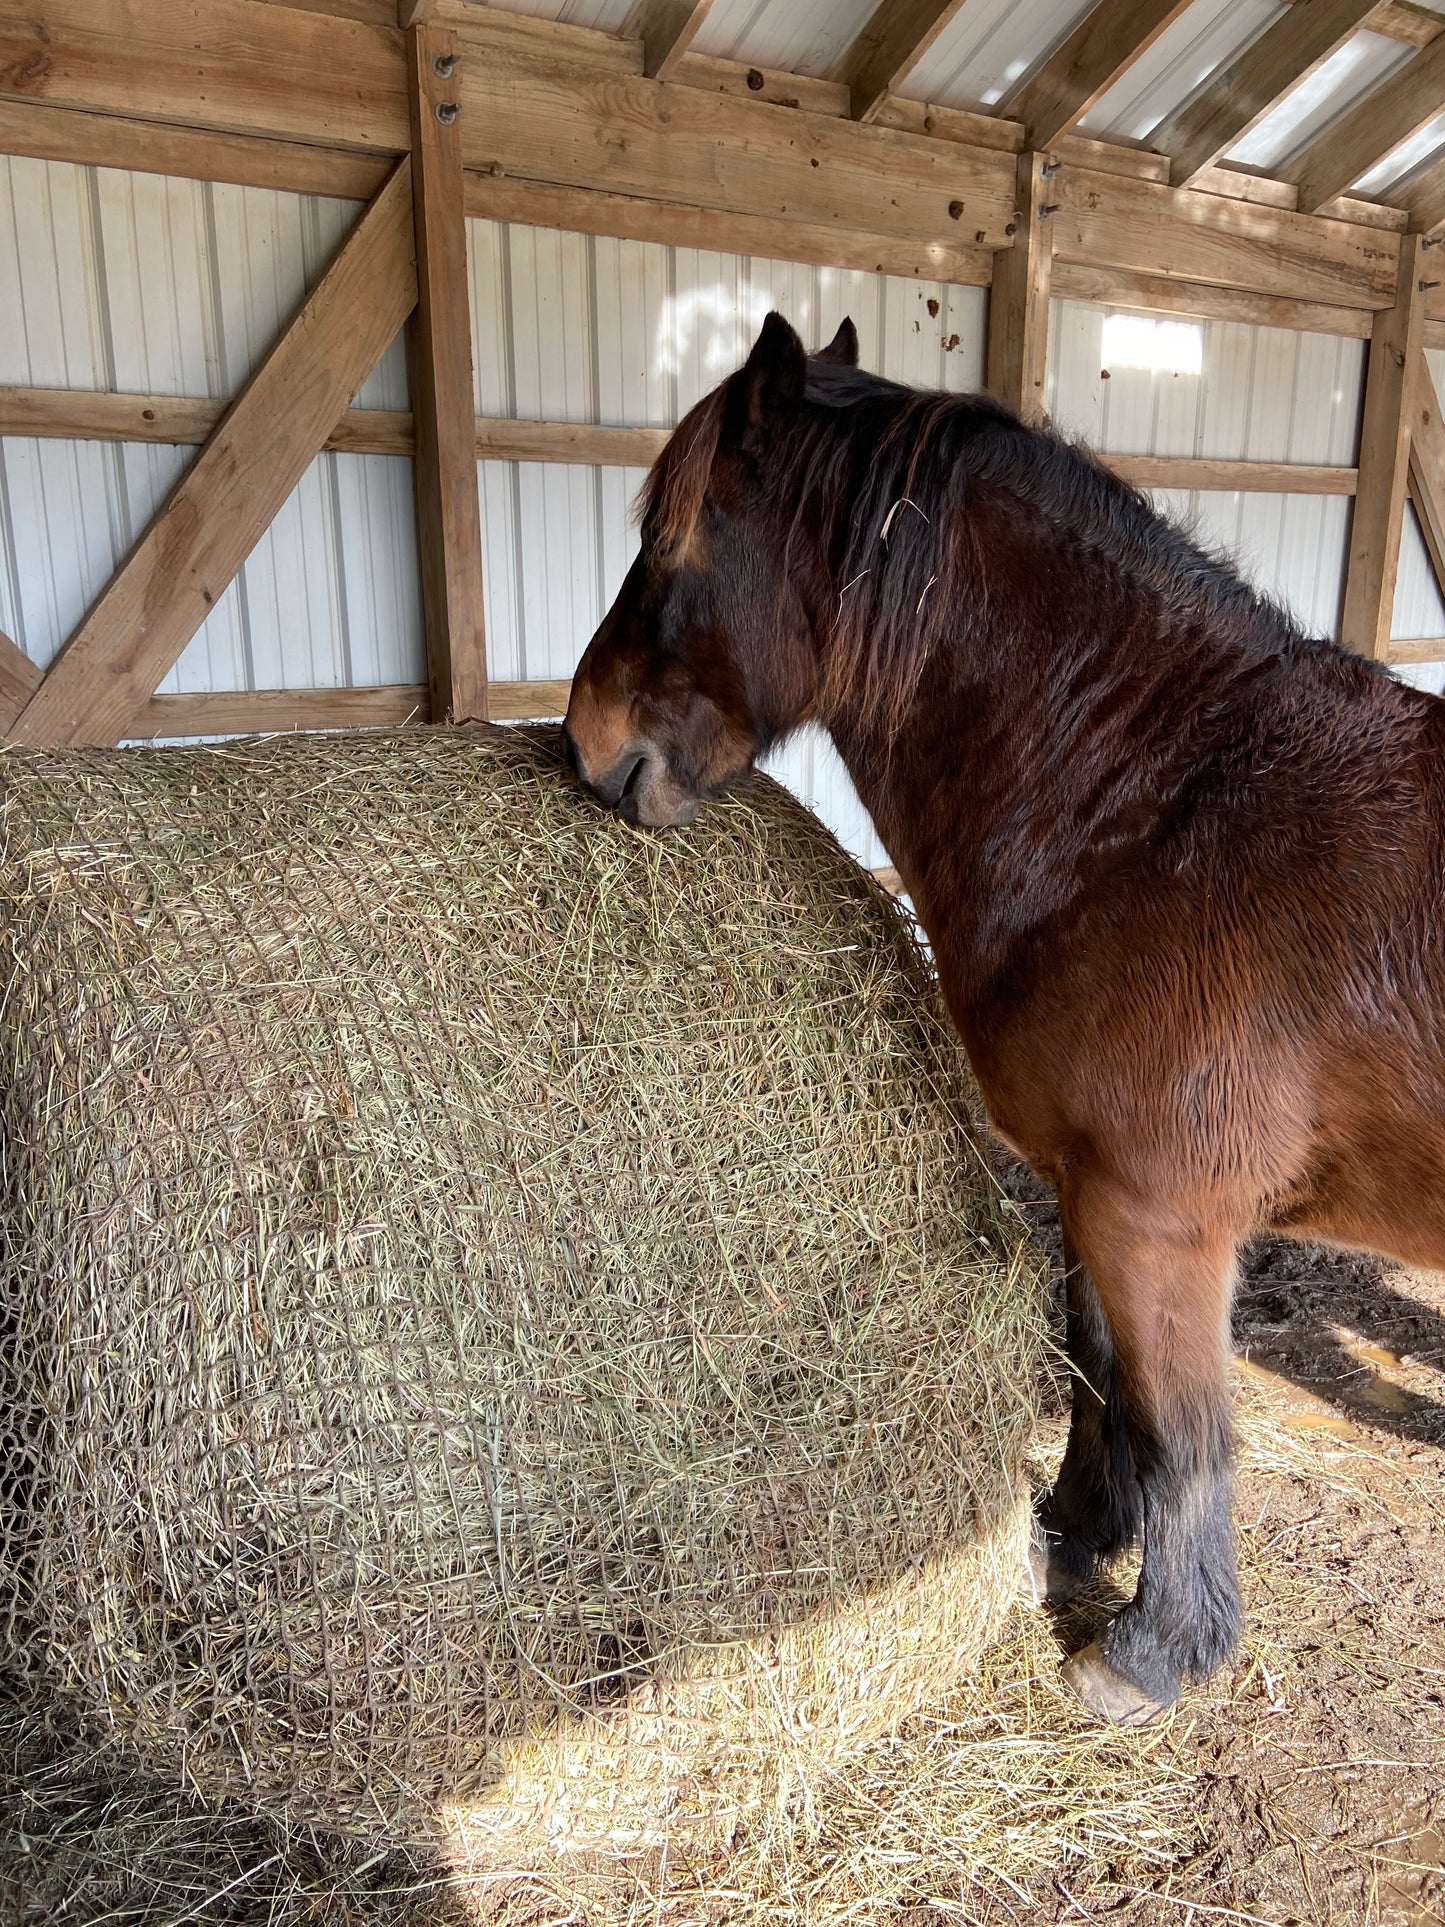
(1182, 869)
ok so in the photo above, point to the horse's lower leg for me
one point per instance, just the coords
(1164, 1287)
(1095, 1508)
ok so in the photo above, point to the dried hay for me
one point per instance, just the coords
(509, 1335)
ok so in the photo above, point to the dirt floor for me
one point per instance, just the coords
(1307, 1785)
(1320, 1759)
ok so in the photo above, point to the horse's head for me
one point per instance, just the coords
(707, 655)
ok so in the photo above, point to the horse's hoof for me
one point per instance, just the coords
(1046, 1578)
(1107, 1693)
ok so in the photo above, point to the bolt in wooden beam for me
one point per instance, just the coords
(1018, 302)
(1391, 383)
(229, 496)
(449, 526)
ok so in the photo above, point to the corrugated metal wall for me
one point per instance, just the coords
(137, 282)
(133, 282)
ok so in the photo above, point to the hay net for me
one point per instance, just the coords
(461, 1258)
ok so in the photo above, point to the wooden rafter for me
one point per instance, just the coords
(449, 529)
(1103, 46)
(183, 563)
(1360, 139)
(1424, 198)
(1239, 96)
(897, 35)
(1018, 303)
(667, 29)
(1427, 471)
(1391, 383)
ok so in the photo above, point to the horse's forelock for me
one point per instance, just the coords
(673, 493)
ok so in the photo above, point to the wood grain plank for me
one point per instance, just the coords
(587, 211)
(655, 140)
(1205, 475)
(449, 528)
(19, 680)
(1396, 360)
(1243, 91)
(1423, 199)
(265, 712)
(161, 594)
(79, 414)
(1124, 288)
(227, 65)
(1147, 228)
(895, 37)
(93, 139)
(1018, 305)
(1103, 46)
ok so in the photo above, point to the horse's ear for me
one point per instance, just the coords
(843, 348)
(775, 372)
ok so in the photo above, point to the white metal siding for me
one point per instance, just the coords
(125, 281)
(1207, 35)
(1260, 394)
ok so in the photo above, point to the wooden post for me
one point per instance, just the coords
(448, 511)
(259, 451)
(1018, 303)
(1396, 358)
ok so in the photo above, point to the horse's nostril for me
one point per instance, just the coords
(631, 781)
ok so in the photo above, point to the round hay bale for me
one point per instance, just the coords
(508, 1330)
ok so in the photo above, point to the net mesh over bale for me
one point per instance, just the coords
(507, 1333)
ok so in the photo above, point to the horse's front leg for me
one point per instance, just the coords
(1095, 1507)
(1163, 1279)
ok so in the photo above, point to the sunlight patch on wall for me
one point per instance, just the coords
(1140, 341)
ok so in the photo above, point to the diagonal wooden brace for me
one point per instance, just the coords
(259, 451)
(1427, 470)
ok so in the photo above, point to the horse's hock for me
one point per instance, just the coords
(508, 1333)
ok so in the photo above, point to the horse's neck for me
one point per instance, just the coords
(1015, 777)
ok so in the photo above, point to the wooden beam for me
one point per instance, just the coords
(173, 577)
(1427, 470)
(1018, 303)
(1396, 359)
(586, 211)
(1147, 228)
(1122, 288)
(1103, 46)
(559, 125)
(19, 680)
(667, 29)
(1355, 143)
(897, 35)
(1201, 473)
(226, 65)
(265, 712)
(76, 414)
(597, 444)
(94, 139)
(1424, 199)
(1417, 649)
(448, 512)
(1241, 93)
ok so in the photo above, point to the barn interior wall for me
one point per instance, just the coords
(135, 282)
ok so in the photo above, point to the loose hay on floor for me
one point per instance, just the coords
(510, 1340)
